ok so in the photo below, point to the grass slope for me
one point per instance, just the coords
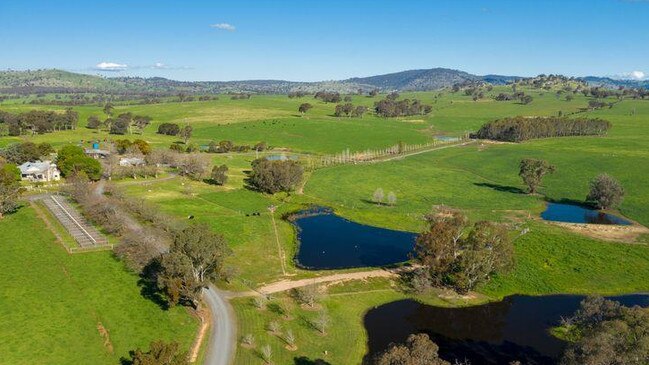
(51, 303)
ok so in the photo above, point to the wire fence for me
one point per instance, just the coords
(374, 155)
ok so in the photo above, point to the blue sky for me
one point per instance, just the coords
(324, 40)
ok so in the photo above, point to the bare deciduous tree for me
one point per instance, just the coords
(378, 196)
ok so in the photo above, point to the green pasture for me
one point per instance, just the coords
(52, 303)
(480, 178)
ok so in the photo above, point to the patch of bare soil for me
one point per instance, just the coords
(607, 232)
(103, 332)
(284, 285)
(204, 316)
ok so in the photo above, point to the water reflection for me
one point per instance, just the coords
(575, 214)
(328, 241)
(495, 333)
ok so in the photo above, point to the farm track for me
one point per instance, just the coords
(220, 350)
(286, 284)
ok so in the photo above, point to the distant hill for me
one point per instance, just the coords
(415, 80)
(55, 79)
(58, 81)
(614, 83)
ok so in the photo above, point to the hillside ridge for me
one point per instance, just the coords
(55, 80)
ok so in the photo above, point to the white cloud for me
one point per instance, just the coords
(638, 75)
(159, 65)
(633, 75)
(110, 66)
(224, 26)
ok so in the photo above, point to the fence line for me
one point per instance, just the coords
(104, 247)
(373, 155)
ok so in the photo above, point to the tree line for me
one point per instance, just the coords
(37, 121)
(517, 129)
(175, 260)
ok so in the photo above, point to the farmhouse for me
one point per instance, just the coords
(39, 171)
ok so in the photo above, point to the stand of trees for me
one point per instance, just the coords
(125, 122)
(452, 258)
(275, 176)
(606, 332)
(19, 153)
(240, 96)
(38, 121)
(328, 97)
(122, 124)
(297, 94)
(390, 107)
(519, 128)
(349, 110)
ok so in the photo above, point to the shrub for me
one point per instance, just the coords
(169, 129)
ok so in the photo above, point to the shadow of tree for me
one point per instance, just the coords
(148, 285)
(15, 210)
(303, 360)
(368, 201)
(579, 203)
(503, 188)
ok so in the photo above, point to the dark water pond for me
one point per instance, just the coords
(328, 241)
(495, 333)
(575, 214)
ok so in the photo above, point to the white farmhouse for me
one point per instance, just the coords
(39, 171)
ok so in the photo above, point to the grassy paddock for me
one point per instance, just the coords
(480, 179)
(52, 302)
